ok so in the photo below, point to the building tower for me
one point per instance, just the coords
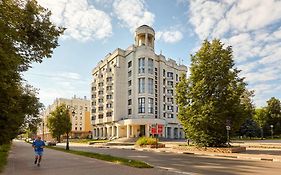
(133, 90)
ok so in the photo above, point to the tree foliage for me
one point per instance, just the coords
(26, 36)
(213, 96)
(274, 114)
(59, 122)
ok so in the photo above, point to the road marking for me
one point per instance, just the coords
(173, 170)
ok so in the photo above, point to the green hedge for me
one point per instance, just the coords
(146, 141)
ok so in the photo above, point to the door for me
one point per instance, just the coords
(142, 130)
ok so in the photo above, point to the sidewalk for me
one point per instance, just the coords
(21, 162)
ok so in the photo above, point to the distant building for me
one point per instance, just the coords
(134, 89)
(80, 117)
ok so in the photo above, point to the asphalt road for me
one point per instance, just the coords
(193, 164)
(21, 162)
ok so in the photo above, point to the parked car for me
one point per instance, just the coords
(51, 143)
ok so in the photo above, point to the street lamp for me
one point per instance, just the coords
(227, 134)
(271, 126)
(43, 131)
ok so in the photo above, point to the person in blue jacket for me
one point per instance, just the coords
(38, 146)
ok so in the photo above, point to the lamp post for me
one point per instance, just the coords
(227, 134)
(43, 130)
(271, 126)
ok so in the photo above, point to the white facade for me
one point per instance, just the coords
(133, 89)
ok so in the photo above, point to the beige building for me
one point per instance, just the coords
(134, 89)
(79, 113)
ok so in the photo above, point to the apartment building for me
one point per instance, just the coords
(134, 90)
(79, 109)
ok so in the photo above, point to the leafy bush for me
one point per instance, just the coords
(146, 141)
(4, 149)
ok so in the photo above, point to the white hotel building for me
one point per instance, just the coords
(133, 89)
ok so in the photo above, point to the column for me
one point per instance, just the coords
(128, 131)
(146, 39)
(108, 132)
(112, 131)
(166, 132)
(172, 132)
(179, 132)
(147, 130)
(133, 134)
(117, 131)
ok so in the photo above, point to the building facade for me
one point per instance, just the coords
(134, 89)
(79, 109)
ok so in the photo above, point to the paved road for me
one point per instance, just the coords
(20, 162)
(194, 164)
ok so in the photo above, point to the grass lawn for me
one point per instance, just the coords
(4, 151)
(88, 141)
(109, 158)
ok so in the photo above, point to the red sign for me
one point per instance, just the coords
(153, 131)
(156, 129)
(159, 129)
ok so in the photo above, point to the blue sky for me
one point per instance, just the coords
(97, 27)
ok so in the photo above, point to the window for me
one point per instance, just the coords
(129, 111)
(130, 73)
(109, 97)
(100, 92)
(100, 100)
(109, 114)
(94, 88)
(177, 77)
(170, 74)
(80, 128)
(108, 88)
(93, 117)
(141, 85)
(170, 83)
(129, 101)
(101, 108)
(100, 84)
(130, 83)
(130, 92)
(150, 105)
(164, 73)
(141, 105)
(171, 108)
(150, 86)
(93, 110)
(108, 79)
(109, 105)
(150, 66)
(129, 64)
(170, 92)
(100, 116)
(141, 65)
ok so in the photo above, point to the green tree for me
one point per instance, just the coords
(273, 109)
(212, 97)
(26, 36)
(59, 122)
(261, 119)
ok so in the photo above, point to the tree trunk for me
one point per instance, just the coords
(261, 133)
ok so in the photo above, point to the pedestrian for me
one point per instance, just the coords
(38, 146)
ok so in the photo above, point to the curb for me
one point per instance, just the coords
(215, 155)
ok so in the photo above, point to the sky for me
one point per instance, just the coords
(97, 27)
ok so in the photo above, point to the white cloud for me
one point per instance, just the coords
(133, 13)
(253, 29)
(82, 20)
(171, 36)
